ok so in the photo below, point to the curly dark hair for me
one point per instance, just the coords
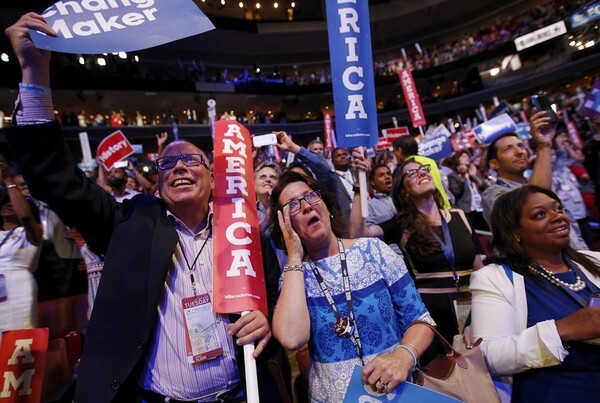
(506, 219)
(338, 224)
(410, 217)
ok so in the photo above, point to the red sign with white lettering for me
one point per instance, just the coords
(113, 148)
(413, 103)
(394, 132)
(238, 275)
(22, 362)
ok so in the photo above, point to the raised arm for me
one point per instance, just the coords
(35, 63)
(291, 322)
(542, 133)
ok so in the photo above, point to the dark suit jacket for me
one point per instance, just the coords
(137, 240)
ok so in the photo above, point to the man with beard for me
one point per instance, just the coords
(117, 181)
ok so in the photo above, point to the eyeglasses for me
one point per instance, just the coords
(189, 160)
(311, 198)
(412, 173)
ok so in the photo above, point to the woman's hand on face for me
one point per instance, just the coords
(387, 371)
(293, 244)
(583, 324)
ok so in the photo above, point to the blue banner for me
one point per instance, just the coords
(405, 392)
(436, 148)
(108, 26)
(488, 131)
(352, 72)
(588, 14)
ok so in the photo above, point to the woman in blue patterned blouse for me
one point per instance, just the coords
(351, 300)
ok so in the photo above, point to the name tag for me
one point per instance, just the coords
(202, 340)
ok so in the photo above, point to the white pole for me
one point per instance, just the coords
(362, 183)
(251, 375)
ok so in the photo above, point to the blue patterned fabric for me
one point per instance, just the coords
(385, 303)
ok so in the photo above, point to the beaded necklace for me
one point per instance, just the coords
(578, 285)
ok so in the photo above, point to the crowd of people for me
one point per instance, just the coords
(428, 55)
(357, 290)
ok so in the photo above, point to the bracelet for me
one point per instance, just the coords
(293, 267)
(410, 345)
(356, 189)
(11, 186)
(402, 346)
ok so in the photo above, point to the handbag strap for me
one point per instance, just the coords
(451, 349)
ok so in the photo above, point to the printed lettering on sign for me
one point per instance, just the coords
(238, 276)
(107, 26)
(352, 71)
(22, 362)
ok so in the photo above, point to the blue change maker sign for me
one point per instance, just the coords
(352, 72)
(108, 26)
(436, 148)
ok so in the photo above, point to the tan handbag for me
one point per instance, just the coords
(463, 376)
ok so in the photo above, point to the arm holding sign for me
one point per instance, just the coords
(35, 63)
(356, 224)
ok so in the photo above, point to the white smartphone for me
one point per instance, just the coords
(121, 164)
(264, 140)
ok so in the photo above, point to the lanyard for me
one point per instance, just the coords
(344, 326)
(191, 267)
(448, 250)
(7, 236)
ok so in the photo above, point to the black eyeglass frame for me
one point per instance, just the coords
(175, 158)
(412, 173)
(299, 201)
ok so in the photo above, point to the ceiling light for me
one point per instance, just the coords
(293, 4)
(101, 61)
(495, 71)
(4, 57)
(276, 5)
(81, 60)
(122, 55)
(257, 5)
(241, 4)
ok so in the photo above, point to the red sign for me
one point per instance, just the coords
(22, 362)
(413, 103)
(113, 148)
(466, 139)
(238, 276)
(395, 132)
(328, 130)
(574, 135)
(383, 144)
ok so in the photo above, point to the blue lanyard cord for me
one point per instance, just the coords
(448, 250)
(354, 335)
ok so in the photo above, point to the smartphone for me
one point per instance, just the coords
(121, 164)
(542, 103)
(264, 140)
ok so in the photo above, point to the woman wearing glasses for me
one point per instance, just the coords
(351, 300)
(440, 247)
